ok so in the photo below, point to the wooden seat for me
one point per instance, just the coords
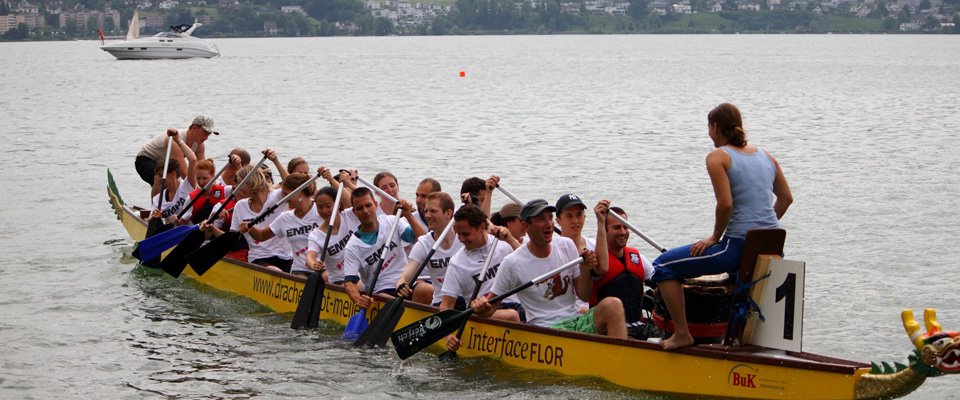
(758, 242)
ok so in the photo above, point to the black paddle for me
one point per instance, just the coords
(155, 224)
(478, 281)
(417, 336)
(357, 325)
(202, 259)
(308, 308)
(174, 263)
(382, 326)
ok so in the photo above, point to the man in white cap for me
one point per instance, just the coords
(553, 303)
(152, 152)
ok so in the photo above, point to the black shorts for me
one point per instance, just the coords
(275, 261)
(514, 306)
(145, 167)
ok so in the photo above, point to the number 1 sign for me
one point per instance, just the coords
(781, 301)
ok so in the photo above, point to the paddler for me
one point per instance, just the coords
(293, 225)
(438, 213)
(626, 270)
(553, 303)
(362, 251)
(471, 228)
(178, 186)
(344, 226)
(745, 179)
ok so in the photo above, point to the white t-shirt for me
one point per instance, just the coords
(338, 242)
(436, 269)
(267, 248)
(466, 264)
(361, 258)
(180, 199)
(548, 302)
(296, 230)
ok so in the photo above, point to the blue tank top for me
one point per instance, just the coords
(751, 183)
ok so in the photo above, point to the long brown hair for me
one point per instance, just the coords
(726, 117)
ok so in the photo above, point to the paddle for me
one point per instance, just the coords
(478, 280)
(518, 201)
(205, 257)
(357, 324)
(637, 231)
(382, 326)
(308, 308)
(412, 338)
(154, 246)
(155, 224)
(174, 263)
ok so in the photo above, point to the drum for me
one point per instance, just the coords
(708, 300)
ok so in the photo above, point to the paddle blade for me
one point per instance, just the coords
(153, 227)
(176, 261)
(448, 355)
(308, 309)
(203, 258)
(356, 325)
(380, 328)
(155, 245)
(417, 336)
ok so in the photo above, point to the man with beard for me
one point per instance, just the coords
(626, 270)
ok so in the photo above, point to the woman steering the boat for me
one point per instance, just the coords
(744, 177)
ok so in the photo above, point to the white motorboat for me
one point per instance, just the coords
(176, 43)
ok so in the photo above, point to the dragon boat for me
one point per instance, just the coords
(705, 370)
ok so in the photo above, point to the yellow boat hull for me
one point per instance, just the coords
(703, 370)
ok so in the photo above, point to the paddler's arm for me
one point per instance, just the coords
(482, 307)
(503, 234)
(492, 182)
(358, 298)
(780, 189)
(272, 156)
(584, 282)
(404, 290)
(257, 233)
(411, 219)
(188, 153)
(717, 163)
(603, 258)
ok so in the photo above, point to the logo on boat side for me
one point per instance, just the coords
(432, 322)
(742, 375)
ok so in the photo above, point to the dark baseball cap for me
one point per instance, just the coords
(533, 208)
(569, 200)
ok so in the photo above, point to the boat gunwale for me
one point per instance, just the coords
(800, 360)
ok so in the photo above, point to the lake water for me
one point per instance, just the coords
(863, 126)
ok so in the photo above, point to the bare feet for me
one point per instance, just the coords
(677, 341)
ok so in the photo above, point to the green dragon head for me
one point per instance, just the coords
(938, 351)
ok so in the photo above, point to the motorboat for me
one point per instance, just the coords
(178, 42)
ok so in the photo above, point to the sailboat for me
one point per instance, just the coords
(178, 42)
